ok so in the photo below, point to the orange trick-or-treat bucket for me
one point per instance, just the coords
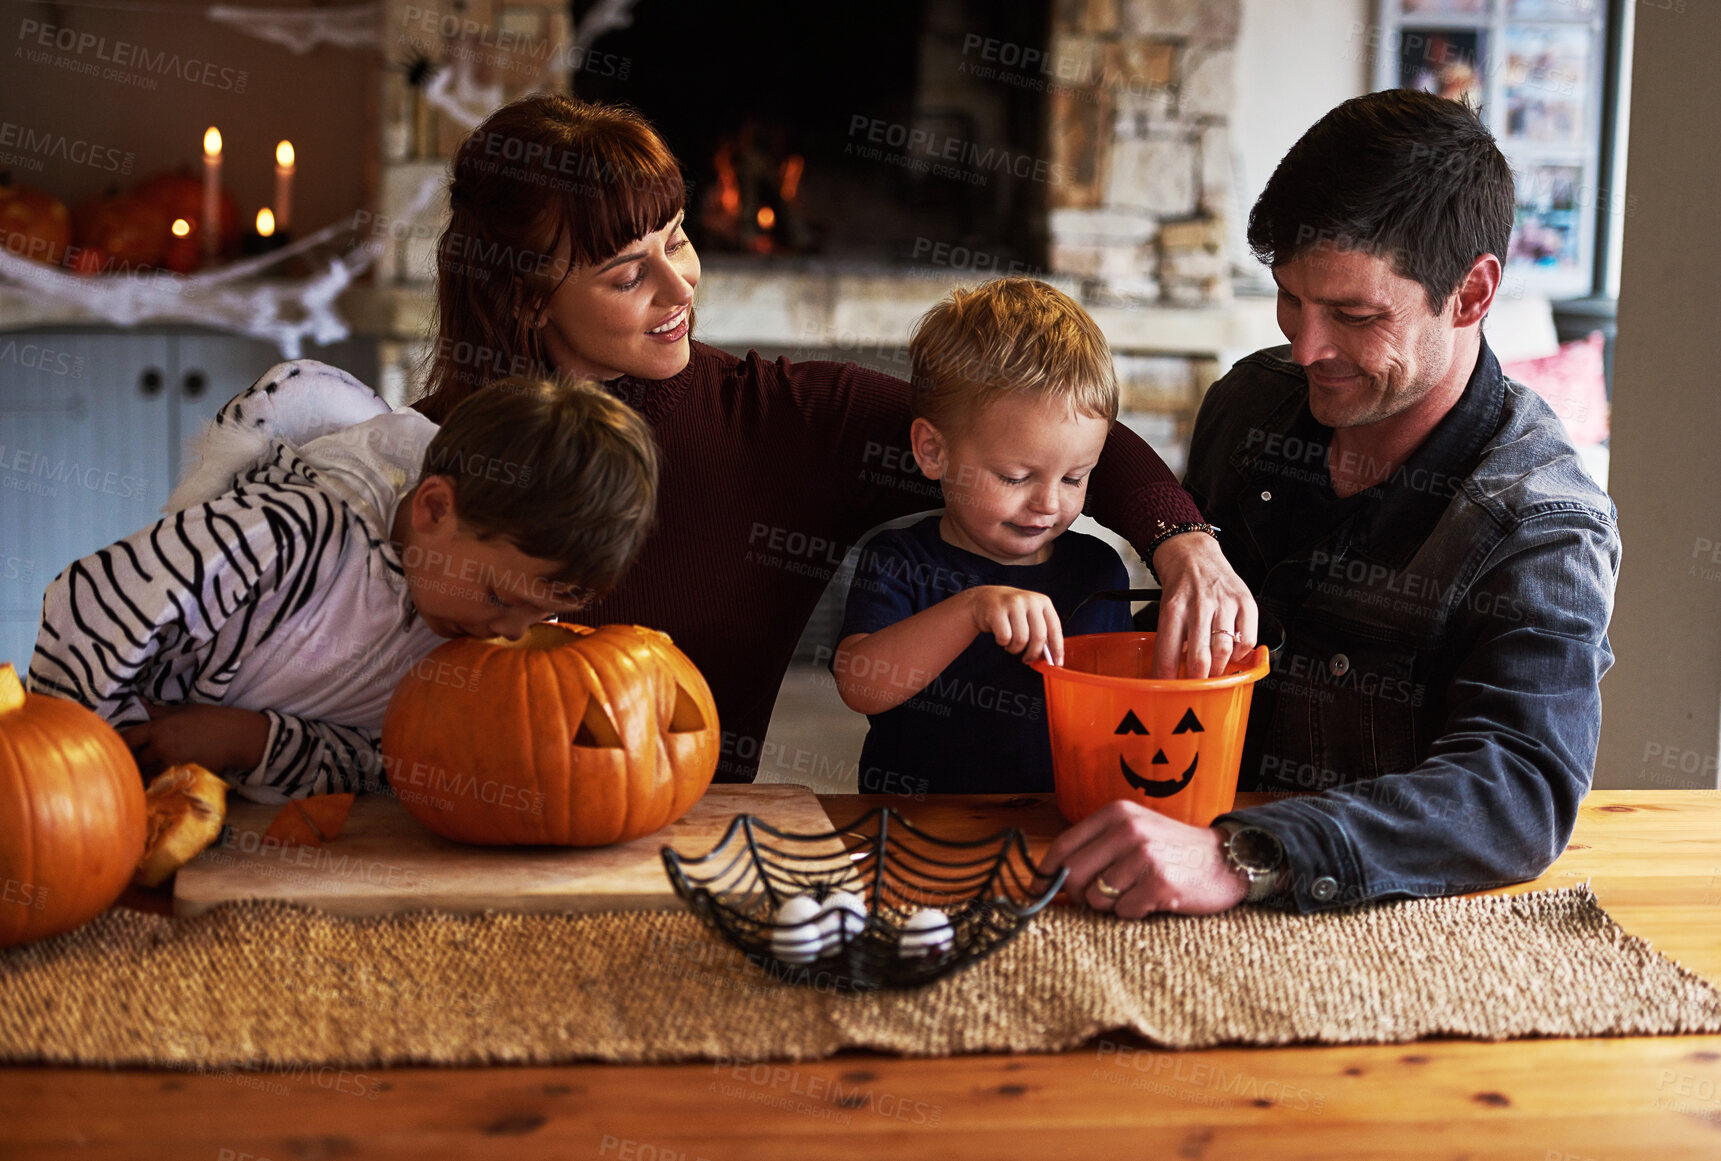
(1173, 745)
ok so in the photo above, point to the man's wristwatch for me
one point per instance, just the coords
(1255, 854)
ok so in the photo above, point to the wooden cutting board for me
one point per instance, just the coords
(385, 861)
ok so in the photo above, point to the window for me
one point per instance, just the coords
(1540, 70)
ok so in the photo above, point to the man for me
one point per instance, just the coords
(1443, 567)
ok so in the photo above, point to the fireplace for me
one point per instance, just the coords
(1084, 138)
(847, 132)
(848, 164)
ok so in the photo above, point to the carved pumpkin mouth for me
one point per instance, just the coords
(1159, 787)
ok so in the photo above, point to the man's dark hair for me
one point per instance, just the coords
(1400, 174)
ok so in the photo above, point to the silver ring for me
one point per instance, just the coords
(1105, 888)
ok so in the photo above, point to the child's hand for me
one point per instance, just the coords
(216, 737)
(1021, 621)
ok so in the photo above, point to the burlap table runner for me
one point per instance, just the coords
(270, 983)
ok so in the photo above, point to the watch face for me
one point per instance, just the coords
(1257, 850)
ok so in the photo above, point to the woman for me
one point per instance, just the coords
(565, 254)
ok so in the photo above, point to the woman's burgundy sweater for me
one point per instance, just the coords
(771, 471)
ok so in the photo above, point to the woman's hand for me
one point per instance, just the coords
(1019, 620)
(1146, 862)
(1207, 615)
(216, 737)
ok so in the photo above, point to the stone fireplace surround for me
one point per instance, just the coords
(1139, 95)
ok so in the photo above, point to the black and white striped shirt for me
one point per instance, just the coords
(282, 594)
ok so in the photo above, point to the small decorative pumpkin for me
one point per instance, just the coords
(88, 261)
(34, 224)
(132, 231)
(570, 736)
(180, 195)
(71, 814)
(187, 805)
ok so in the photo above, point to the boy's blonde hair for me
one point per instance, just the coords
(1010, 335)
(561, 470)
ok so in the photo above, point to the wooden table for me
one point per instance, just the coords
(1653, 857)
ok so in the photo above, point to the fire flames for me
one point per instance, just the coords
(753, 204)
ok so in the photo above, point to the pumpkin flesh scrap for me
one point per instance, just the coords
(187, 805)
(311, 821)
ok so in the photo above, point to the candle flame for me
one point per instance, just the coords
(766, 217)
(265, 222)
(181, 227)
(212, 142)
(284, 155)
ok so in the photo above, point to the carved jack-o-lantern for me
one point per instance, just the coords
(569, 736)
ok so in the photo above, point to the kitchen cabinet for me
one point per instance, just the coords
(92, 431)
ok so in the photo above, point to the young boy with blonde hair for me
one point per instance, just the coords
(260, 628)
(1013, 394)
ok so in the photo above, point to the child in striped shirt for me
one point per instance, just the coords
(260, 628)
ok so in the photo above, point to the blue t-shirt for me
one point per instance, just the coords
(979, 727)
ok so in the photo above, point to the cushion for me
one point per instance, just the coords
(1574, 383)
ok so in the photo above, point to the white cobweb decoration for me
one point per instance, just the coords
(300, 30)
(456, 95)
(238, 298)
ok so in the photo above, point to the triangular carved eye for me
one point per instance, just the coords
(1130, 724)
(687, 717)
(596, 729)
(1189, 723)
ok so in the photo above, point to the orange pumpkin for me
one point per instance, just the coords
(87, 260)
(34, 224)
(133, 231)
(71, 814)
(180, 195)
(569, 736)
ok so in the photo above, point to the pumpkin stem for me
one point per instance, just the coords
(11, 690)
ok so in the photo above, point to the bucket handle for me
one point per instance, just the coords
(1270, 625)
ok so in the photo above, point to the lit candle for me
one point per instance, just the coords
(211, 223)
(262, 239)
(283, 185)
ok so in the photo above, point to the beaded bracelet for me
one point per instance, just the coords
(1166, 532)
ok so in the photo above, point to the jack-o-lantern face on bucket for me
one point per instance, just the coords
(1157, 777)
(1171, 745)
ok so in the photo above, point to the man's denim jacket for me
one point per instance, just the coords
(1444, 644)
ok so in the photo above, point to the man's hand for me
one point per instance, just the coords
(1021, 621)
(1158, 863)
(216, 737)
(1206, 611)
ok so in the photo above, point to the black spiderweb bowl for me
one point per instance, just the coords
(987, 888)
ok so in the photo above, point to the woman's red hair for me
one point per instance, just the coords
(540, 173)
